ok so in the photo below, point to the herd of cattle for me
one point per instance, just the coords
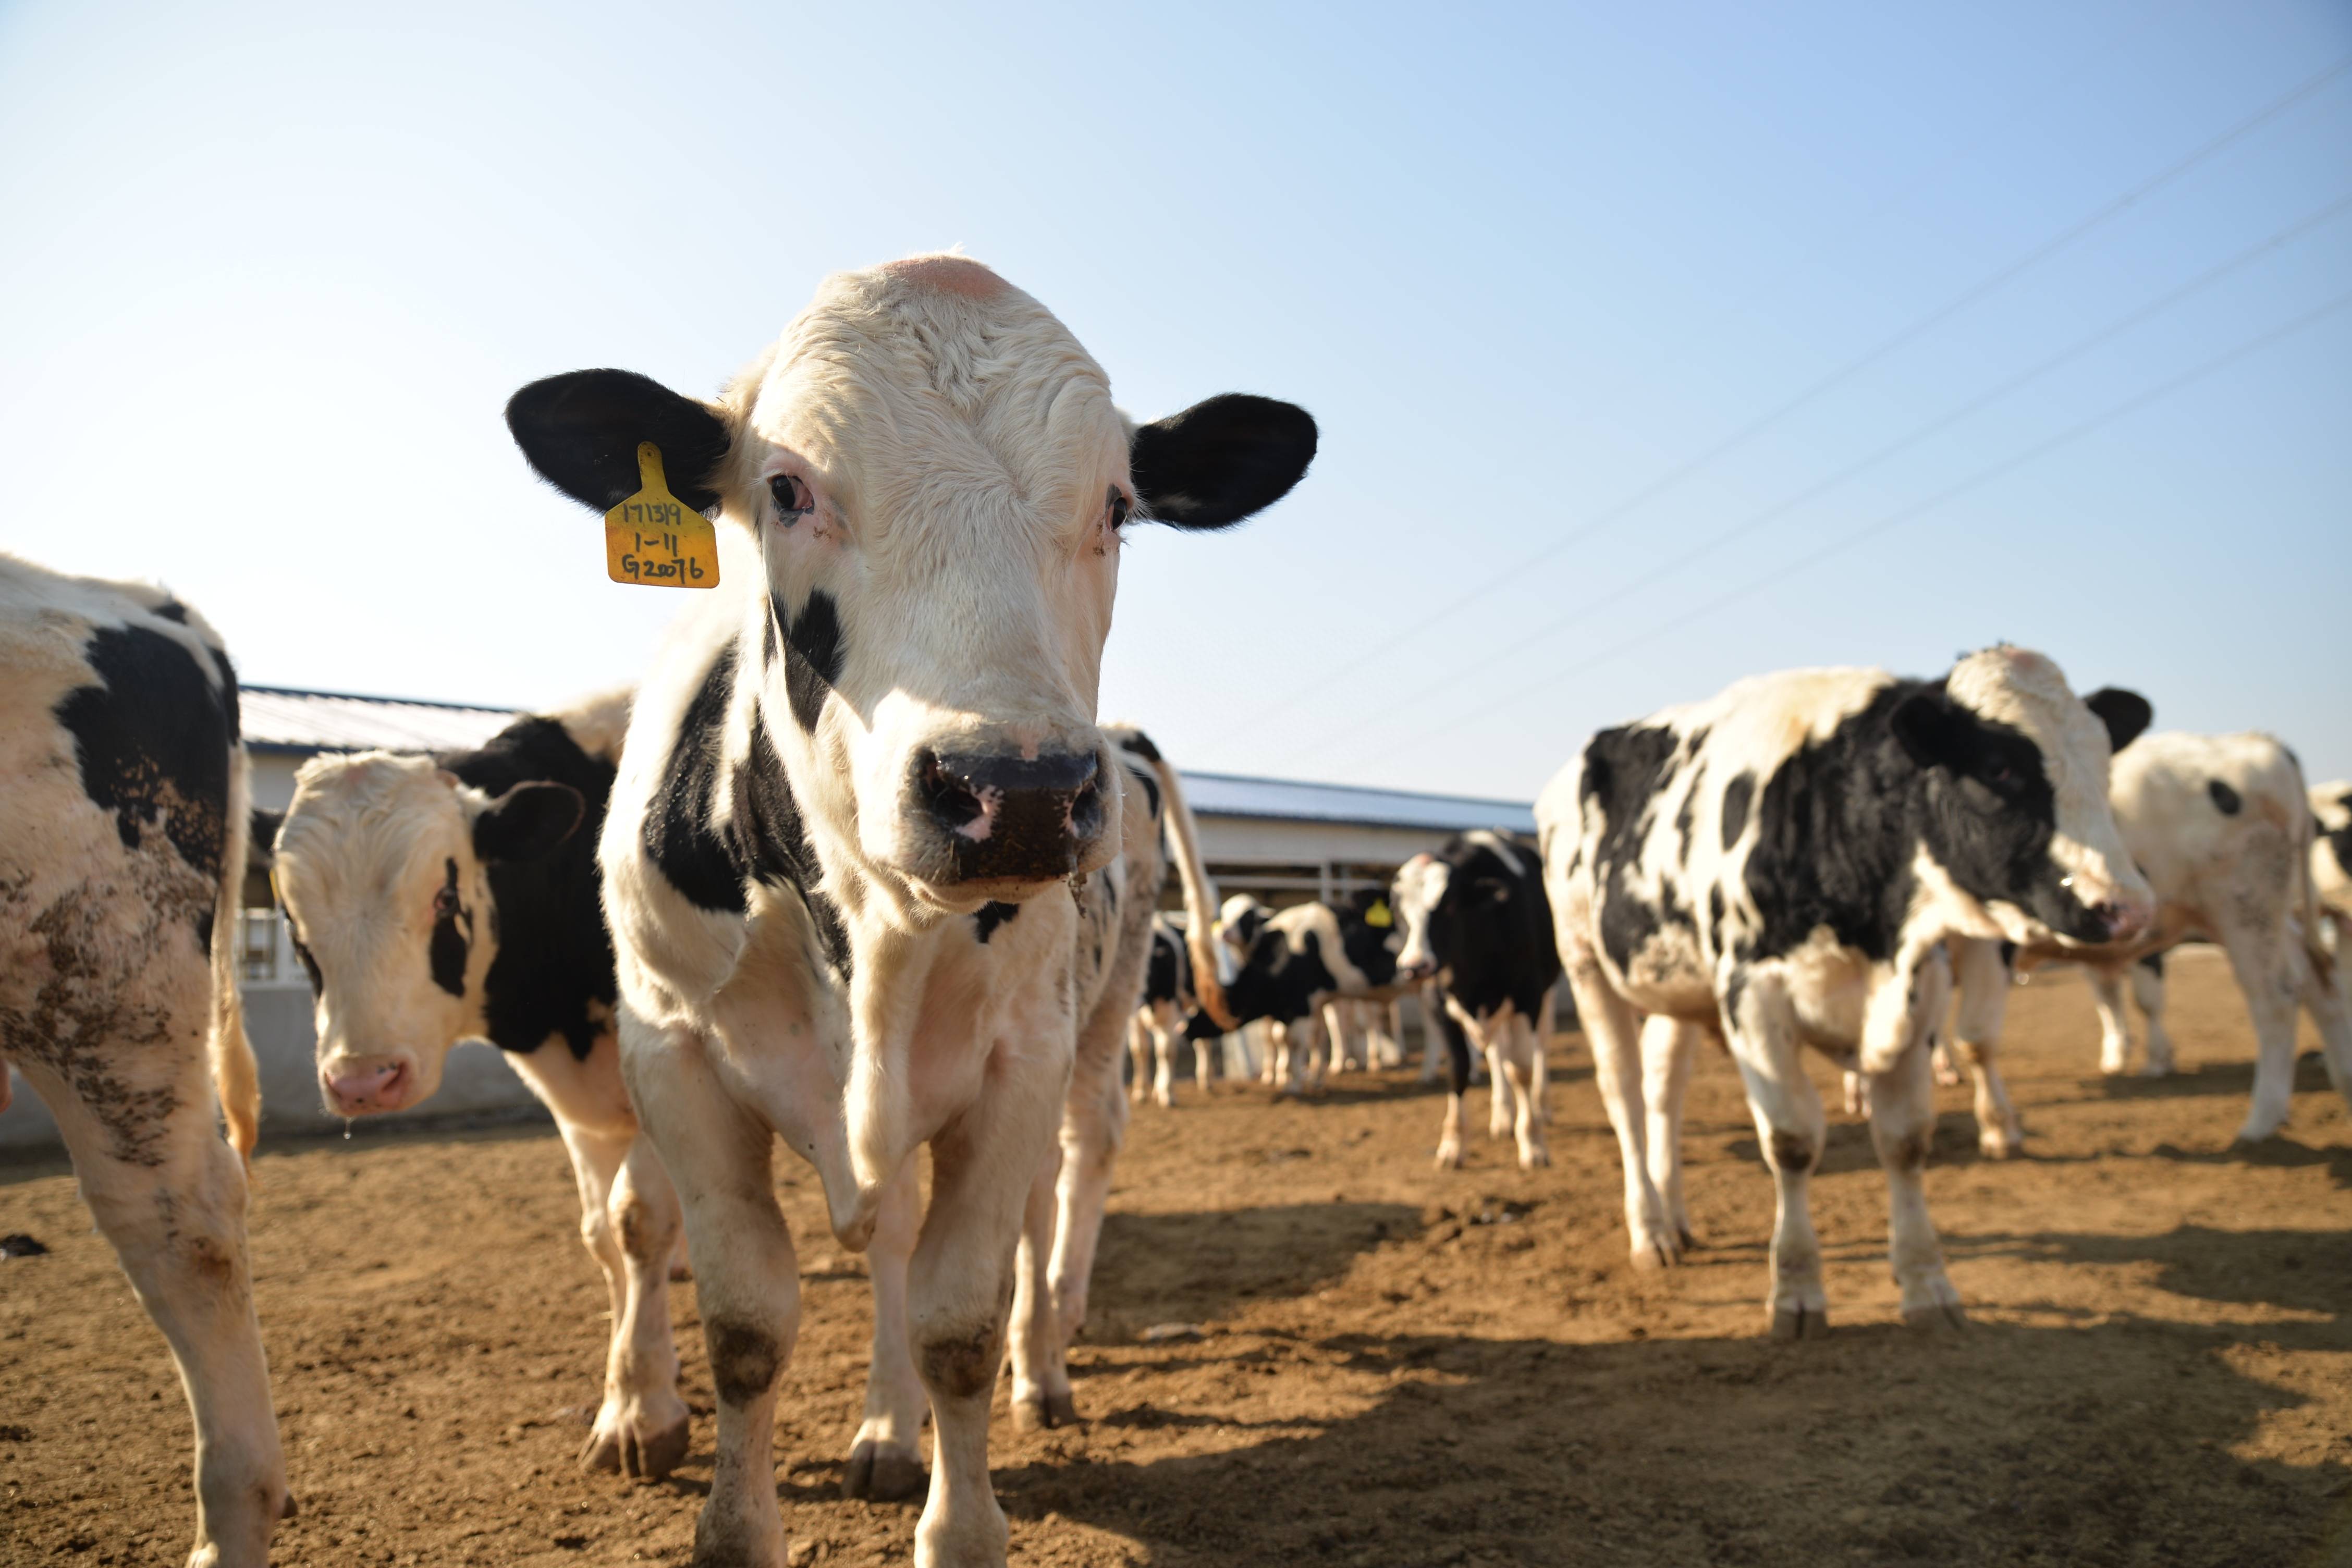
(855, 866)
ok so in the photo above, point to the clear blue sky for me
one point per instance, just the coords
(270, 276)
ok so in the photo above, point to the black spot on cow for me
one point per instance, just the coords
(992, 915)
(1150, 789)
(2225, 799)
(2152, 963)
(680, 836)
(154, 741)
(812, 657)
(1737, 796)
(553, 972)
(1624, 768)
(446, 949)
(171, 610)
(1140, 744)
(745, 1360)
(1715, 918)
(769, 840)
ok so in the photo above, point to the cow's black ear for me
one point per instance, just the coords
(1219, 461)
(1929, 733)
(527, 822)
(2124, 713)
(580, 431)
(261, 838)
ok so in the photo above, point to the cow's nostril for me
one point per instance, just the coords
(1008, 816)
(1086, 810)
(950, 798)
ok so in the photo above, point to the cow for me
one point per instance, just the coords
(2222, 828)
(1783, 864)
(450, 897)
(861, 779)
(122, 826)
(2331, 859)
(1168, 998)
(1292, 962)
(1478, 930)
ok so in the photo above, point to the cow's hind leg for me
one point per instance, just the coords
(1093, 1130)
(1041, 1376)
(1613, 1029)
(886, 1460)
(2259, 957)
(958, 1290)
(1669, 1047)
(1523, 1059)
(747, 1281)
(2148, 994)
(1791, 1127)
(2114, 1029)
(1439, 1021)
(629, 1219)
(170, 1196)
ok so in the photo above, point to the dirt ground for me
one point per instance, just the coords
(1396, 1366)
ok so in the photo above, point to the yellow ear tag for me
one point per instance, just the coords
(654, 539)
(1377, 916)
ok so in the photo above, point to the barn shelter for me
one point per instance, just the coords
(1280, 839)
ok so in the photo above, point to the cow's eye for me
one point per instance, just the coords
(793, 498)
(445, 903)
(2002, 776)
(1118, 508)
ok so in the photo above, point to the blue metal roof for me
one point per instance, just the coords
(1231, 795)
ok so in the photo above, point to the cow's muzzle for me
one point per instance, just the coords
(368, 1089)
(1004, 817)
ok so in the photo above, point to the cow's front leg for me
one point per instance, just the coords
(1041, 1373)
(175, 1218)
(629, 1221)
(1791, 1126)
(982, 1165)
(2148, 994)
(2115, 1031)
(886, 1460)
(1442, 1025)
(2258, 956)
(747, 1280)
(1141, 1037)
(1163, 1082)
(1903, 1129)
(1984, 982)
(1499, 1107)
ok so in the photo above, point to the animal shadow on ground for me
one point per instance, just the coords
(2093, 1446)
(2299, 1270)
(1199, 1267)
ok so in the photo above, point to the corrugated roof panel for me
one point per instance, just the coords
(282, 718)
(1228, 794)
(279, 720)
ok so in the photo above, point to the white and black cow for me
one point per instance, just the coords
(1286, 965)
(1170, 997)
(1477, 927)
(850, 763)
(2222, 828)
(438, 899)
(122, 826)
(1783, 865)
(2331, 859)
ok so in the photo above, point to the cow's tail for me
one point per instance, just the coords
(236, 1078)
(2306, 838)
(1199, 893)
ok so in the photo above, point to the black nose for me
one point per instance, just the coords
(1008, 816)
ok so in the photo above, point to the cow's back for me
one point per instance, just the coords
(2210, 817)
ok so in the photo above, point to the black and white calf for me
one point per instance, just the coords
(1286, 965)
(2331, 859)
(859, 782)
(2221, 828)
(1170, 996)
(122, 826)
(1477, 927)
(1783, 865)
(455, 896)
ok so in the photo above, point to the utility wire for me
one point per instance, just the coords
(1846, 373)
(1942, 422)
(1975, 481)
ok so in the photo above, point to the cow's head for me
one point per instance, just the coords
(383, 865)
(938, 483)
(2017, 791)
(1428, 908)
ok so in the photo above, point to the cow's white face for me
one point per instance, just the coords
(2022, 822)
(937, 482)
(1415, 894)
(382, 866)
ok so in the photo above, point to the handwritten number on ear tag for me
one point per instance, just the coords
(653, 540)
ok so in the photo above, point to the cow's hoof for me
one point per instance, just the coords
(1449, 1156)
(2156, 1069)
(1683, 1234)
(1531, 1159)
(1935, 1316)
(1043, 1412)
(630, 1443)
(1997, 1145)
(1654, 1253)
(884, 1472)
(1801, 1322)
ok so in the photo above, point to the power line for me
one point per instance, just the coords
(1942, 422)
(1973, 483)
(1845, 372)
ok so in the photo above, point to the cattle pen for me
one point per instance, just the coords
(1309, 1347)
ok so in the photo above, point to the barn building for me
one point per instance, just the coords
(1283, 841)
